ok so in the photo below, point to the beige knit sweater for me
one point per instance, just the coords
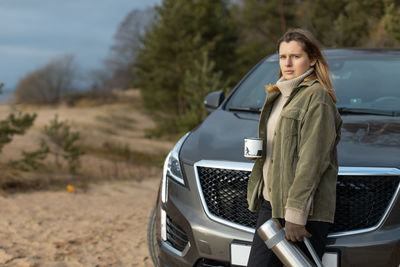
(286, 87)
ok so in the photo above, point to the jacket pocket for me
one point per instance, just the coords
(290, 121)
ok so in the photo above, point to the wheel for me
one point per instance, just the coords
(152, 238)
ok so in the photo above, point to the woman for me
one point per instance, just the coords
(295, 180)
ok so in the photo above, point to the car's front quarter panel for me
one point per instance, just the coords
(208, 239)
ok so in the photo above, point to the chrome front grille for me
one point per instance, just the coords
(361, 199)
(225, 193)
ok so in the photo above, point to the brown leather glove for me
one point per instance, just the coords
(295, 232)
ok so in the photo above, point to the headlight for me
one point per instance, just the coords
(172, 168)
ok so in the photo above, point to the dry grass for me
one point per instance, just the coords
(112, 136)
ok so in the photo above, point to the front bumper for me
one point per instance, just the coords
(209, 242)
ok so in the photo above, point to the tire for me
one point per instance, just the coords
(152, 238)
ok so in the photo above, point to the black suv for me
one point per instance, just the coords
(201, 216)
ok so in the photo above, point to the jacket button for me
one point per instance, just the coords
(269, 189)
(272, 161)
(274, 133)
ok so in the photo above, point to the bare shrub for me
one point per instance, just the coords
(91, 97)
(47, 84)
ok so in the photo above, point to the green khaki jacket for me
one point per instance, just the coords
(304, 161)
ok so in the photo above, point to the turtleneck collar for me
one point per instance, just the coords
(286, 86)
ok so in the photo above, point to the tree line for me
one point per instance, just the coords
(196, 46)
(191, 47)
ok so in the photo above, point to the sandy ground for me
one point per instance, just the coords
(105, 226)
(102, 226)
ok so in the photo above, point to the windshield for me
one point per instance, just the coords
(359, 83)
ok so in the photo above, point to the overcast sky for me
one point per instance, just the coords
(32, 32)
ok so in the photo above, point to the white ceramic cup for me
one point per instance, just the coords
(253, 147)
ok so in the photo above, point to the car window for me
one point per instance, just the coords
(367, 83)
(358, 83)
(251, 92)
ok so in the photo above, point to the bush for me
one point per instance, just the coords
(61, 135)
(31, 160)
(14, 124)
(91, 97)
(47, 84)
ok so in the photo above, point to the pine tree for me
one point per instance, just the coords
(342, 23)
(261, 24)
(319, 18)
(183, 31)
(202, 80)
(357, 20)
(15, 124)
(391, 19)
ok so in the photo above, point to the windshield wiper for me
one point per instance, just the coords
(246, 109)
(367, 111)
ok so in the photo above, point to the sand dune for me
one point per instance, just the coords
(104, 225)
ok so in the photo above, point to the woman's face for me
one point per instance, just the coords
(293, 60)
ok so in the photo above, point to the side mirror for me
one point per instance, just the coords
(213, 100)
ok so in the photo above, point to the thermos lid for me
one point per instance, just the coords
(269, 229)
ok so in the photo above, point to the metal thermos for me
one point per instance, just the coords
(290, 255)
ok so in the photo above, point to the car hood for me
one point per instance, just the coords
(367, 141)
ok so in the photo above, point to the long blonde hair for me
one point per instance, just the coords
(311, 47)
